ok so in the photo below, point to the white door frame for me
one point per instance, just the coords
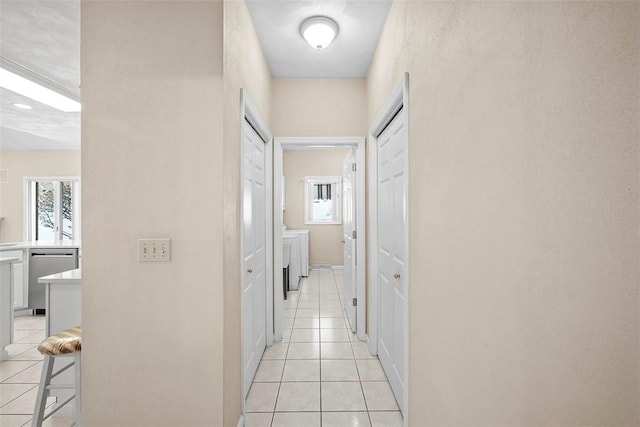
(310, 143)
(347, 237)
(249, 112)
(398, 100)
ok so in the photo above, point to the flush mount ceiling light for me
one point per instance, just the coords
(28, 87)
(319, 31)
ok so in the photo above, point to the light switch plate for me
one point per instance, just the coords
(154, 250)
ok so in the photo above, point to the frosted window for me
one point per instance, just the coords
(322, 200)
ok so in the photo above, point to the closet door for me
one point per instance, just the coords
(254, 302)
(392, 219)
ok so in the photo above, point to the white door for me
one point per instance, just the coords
(392, 208)
(254, 315)
(349, 243)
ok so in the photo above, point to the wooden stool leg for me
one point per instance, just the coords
(77, 401)
(45, 379)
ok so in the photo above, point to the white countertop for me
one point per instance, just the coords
(296, 230)
(69, 276)
(8, 259)
(8, 246)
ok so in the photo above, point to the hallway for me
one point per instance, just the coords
(320, 374)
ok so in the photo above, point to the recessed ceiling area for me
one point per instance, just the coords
(43, 37)
(277, 24)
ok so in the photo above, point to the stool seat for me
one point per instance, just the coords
(66, 342)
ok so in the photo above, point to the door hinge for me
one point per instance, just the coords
(353, 167)
(355, 302)
(354, 234)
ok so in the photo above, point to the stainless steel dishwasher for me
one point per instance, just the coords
(43, 262)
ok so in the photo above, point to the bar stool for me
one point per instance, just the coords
(65, 344)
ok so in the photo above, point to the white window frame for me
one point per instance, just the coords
(29, 220)
(336, 182)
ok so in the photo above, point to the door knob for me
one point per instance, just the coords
(396, 276)
(249, 271)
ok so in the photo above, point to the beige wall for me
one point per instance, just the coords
(524, 209)
(244, 67)
(319, 107)
(26, 163)
(325, 246)
(524, 205)
(316, 107)
(153, 142)
(152, 160)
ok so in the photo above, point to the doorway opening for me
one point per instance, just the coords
(355, 145)
(320, 372)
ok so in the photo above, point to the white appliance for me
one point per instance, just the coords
(291, 241)
(302, 237)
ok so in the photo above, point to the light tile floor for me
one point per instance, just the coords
(20, 376)
(320, 374)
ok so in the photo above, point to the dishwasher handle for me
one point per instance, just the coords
(39, 255)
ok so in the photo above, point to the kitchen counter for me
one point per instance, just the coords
(63, 300)
(71, 277)
(46, 244)
(33, 263)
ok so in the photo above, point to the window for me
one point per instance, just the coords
(52, 210)
(322, 198)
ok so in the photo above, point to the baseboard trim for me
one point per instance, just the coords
(19, 312)
(371, 346)
(326, 267)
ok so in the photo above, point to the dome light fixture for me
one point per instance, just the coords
(319, 31)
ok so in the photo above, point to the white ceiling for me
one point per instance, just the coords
(360, 23)
(43, 36)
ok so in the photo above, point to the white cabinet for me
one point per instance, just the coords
(19, 276)
(6, 309)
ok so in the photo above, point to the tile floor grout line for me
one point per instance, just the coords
(286, 358)
(18, 373)
(320, 353)
(366, 406)
(17, 397)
